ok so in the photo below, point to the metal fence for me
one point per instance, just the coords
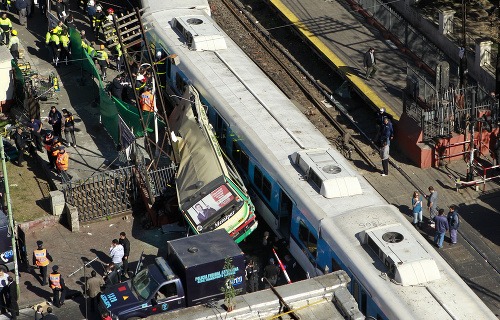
(409, 36)
(104, 194)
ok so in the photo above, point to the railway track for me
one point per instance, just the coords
(351, 132)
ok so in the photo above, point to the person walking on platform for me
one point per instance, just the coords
(35, 126)
(22, 8)
(65, 46)
(69, 127)
(58, 287)
(3, 289)
(441, 227)
(52, 42)
(379, 122)
(50, 315)
(117, 252)
(6, 27)
(416, 204)
(384, 155)
(103, 61)
(41, 259)
(98, 19)
(454, 223)
(432, 199)
(370, 63)
(271, 272)
(55, 119)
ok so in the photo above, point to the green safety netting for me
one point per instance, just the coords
(18, 83)
(109, 107)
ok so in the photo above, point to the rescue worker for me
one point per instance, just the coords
(41, 258)
(62, 163)
(54, 151)
(14, 45)
(102, 60)
(65, 47)
(58, 287)
(52, 41)
(147, 100)
(85, 42)
(91, 10)
(97, 21)
(91, 50)
(252, 276)
(119, 57)
(7, 4)
(48, 141)
(69, 127)
(6, 26)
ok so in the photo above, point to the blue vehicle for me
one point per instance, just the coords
(6, 252)
(192, 274)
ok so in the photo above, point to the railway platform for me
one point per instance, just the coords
(340, 34)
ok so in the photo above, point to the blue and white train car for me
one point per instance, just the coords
(306, 190)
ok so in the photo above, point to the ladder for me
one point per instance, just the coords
(129, 32)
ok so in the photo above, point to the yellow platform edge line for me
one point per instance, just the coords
(354, 79)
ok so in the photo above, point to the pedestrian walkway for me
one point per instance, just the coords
(343, 37)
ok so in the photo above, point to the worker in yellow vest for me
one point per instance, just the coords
(58, 287)
(52, 41)
(65, 48)
(102, 60)
(41, 259)
(5, 28)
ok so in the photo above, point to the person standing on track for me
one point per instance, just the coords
(384, 155)
(432, 199)
(454, 223)
(441, 227)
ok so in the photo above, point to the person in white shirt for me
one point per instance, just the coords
(3, 285)
(116, 252)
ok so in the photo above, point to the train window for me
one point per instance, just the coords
(355, 290)
(308, 239)
(364, 301)
(220, 130)
(286, 204)
(262, 183)
(240, 157)
(179, 83)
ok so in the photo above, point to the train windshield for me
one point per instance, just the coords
(209, 205)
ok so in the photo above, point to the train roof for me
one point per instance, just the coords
(380, 239)
(297, 156)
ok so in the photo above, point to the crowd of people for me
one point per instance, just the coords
(115, 272)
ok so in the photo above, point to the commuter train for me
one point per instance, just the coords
(306, 191)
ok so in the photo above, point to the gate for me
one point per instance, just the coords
(105, 194)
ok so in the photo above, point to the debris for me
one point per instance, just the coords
(89, 233)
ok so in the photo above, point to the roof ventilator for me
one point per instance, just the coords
(321, 168)
(408, 263)
(200, 33)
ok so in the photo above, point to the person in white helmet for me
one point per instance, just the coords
(98, 20)
(91, 10)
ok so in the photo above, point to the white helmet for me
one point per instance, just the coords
(91, 3)
(382, 110)
(98, 8)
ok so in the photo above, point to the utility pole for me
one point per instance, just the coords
(463, 51)
(9, 210)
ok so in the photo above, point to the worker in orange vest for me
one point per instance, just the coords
(58, 287)
(147, 100)
(62, 163)
(54, 151)
(41, 259)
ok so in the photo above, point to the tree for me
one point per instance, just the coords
(229, 290)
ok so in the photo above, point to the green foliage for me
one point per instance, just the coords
(228, 290)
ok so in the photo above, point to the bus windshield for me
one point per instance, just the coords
(143, 284)
(210, 204)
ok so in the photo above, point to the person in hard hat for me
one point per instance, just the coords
(119, 57)
(14, 45)
(6, 27)
(91, 10)
(102, 60)
(110, 13)
(52, 41)
(97, 21)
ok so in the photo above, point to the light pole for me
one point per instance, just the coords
(463, 50)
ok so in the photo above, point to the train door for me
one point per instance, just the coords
(359, 295)
(285, 214)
